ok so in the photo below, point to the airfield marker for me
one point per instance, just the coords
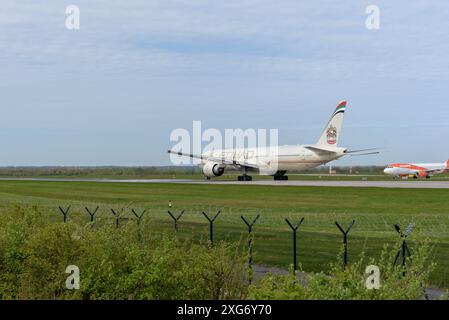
(211, 226)
(294, 229)
(176, 219)
(345, 242)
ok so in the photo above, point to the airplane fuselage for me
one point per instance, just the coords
(276, 161)
(282, 158)
(423, 170)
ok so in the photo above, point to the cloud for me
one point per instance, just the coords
(297, 39)
(141, 62)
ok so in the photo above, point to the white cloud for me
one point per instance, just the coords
(145, 59)
(296, 39)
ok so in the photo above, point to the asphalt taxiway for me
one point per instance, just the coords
(302, 183)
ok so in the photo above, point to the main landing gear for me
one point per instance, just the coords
(280, 176)
(245, 178)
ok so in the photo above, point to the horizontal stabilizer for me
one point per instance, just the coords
(364, 154)
(362, 150)
(320, 149)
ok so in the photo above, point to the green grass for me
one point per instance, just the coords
(374, 209)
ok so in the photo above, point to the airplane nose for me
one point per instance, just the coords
(387, 170)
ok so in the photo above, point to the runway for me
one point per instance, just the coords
(301, 183)
(357, 184)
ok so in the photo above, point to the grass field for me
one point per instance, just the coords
(319, 241)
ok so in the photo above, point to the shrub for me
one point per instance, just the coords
(114, 263)
(130, 262)
(350, 283)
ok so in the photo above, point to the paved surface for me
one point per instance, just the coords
(308, 183)
(315, 183)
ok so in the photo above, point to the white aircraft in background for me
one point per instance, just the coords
(416, 170)
(215, 162)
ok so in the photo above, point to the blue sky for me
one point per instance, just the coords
(111, 92)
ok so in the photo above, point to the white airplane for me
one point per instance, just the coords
(416, 170)
(277, 161)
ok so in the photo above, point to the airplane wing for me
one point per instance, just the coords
(217, 159)
(434, 170)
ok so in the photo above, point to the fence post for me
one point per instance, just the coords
(403, 250)
(211, 226)
(117, 216)
(64, 213)
(138, 216)
(176, 219)
(294, 229)
(92, 214)
(250, 244)
(139, 221)
(345, 242)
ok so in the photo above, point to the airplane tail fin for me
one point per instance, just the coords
(331, 132)
(447, 164)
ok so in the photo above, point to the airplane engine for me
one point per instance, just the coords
(422, 174)
(213, 169)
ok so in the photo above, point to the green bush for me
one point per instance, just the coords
(114, 263)
(136, 262)
(350, 283)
